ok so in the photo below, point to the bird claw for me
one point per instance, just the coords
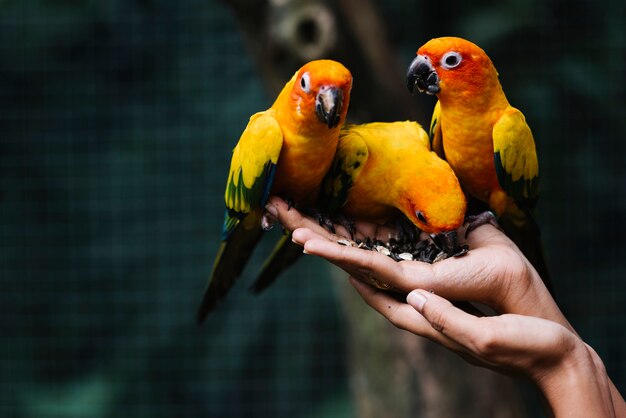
(448, 243)
(329, 222)
(290, 202)
(325, 222)
(348, 224)
(267, 223)
(483, 218)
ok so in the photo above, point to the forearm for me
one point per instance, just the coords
(616, 398)
(577, 387)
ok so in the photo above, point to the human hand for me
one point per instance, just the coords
(549, 354)
(532, 336)
(494, 272)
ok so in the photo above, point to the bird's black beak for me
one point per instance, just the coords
(422, 75)
(328, 105)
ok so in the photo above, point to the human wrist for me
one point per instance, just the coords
(573, 385)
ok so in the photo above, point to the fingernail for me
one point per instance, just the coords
(305, 251)
(294, 238)
(271, 209)
(416, 299)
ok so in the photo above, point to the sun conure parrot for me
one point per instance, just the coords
(284, 151)
(486, 141)
(381, 172)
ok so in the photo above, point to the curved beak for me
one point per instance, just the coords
(328, 105)
(422, 75)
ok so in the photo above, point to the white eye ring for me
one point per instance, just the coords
(305, 82)
(451, 60)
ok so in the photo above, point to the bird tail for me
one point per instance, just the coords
(285, 253)
(232, 256)
(527, 236)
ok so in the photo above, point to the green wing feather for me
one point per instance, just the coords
(515, 158)
(517, 169)
(351, 157)
(434, 133)
(252, 169)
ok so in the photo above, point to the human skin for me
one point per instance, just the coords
(528, 336)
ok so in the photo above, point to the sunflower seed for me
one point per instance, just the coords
(441, 256)
(405, 256)
(383, 250)
(345, 242)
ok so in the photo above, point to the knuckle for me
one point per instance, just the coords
(437, 316)
(485, 344)
(516, 283)
(512, 273)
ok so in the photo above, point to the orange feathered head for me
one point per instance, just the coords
(451, 67)
(320, 92)
(433, 199)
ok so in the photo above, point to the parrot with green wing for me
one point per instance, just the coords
(284, 151)
(386, 170)
(383, 173)
(486, 141)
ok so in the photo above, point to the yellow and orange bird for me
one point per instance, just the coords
(385, 170)
(285, 151)
(486, 141)
(382, 173)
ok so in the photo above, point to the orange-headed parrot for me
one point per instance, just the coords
(486, 141)
(285, 151)
(383, 172)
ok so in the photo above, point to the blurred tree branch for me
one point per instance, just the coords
(281, 35)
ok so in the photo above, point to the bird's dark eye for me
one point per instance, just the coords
(421, 217)
(305, 82)
(451, 60)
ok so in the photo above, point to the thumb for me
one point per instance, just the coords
(442, 315)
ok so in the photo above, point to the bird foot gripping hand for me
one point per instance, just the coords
(474, 221)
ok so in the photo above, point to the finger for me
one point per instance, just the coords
(470, 277)
(510, 339)
(302, 235)
(401, 314)
(290, 218)
(475, 276)
(364, 263)
(460, 327)
(404, 276)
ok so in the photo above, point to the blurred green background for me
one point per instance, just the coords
(116, 123)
